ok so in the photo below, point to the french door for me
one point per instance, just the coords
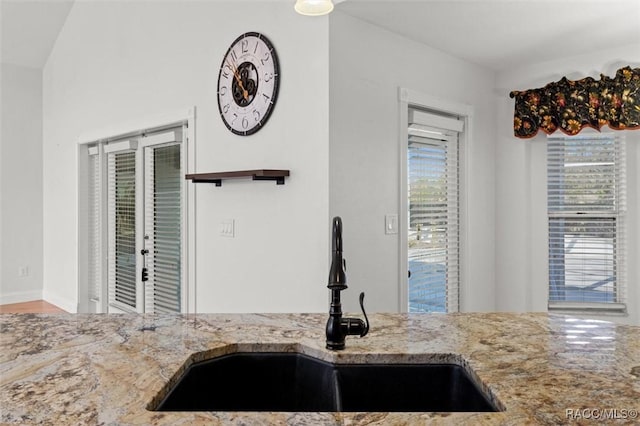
(433, 243)
(138, 231)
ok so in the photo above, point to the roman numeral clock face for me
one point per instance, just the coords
(248, 83)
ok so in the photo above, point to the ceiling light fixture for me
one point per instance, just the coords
(313, 7)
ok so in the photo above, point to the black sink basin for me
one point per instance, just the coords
(296, 382)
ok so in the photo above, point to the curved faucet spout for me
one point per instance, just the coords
(336, 240)
(337, 273)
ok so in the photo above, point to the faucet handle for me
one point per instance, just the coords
(355, 326)
(365, 329)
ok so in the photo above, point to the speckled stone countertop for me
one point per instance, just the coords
(109, 369)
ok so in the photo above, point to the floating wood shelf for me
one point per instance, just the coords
(218, 177)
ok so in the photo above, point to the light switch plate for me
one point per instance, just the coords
(391, 224)
(227, 228)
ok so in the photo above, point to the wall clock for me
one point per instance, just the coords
(248, 83)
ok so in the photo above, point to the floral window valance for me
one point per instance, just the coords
(573, 105)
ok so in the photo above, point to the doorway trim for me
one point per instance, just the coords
(118, 130)
(406, 98)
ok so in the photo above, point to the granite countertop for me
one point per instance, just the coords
(107, 369)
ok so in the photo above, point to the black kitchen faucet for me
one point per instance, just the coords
(337, 327)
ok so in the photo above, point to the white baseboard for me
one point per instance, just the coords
(20, 297)
(61, 302)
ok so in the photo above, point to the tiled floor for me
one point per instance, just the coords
(33, 307)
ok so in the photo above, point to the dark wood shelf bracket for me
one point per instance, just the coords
(261, 174)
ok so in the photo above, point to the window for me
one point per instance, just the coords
(586, 213)
(433, 212)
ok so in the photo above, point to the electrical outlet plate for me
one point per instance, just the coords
(227, 228)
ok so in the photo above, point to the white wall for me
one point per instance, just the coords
(21, 184)
(367, 65)
(521, 251)
(116, 62)
(335, 127)
(1, 168)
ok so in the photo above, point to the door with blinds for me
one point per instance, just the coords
(123, 285)
(136, 257)
(162, 248)
(433, 212)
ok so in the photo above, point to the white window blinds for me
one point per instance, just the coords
(163, 204)
(586, 209)
(433, 209)
(122, 229)
(94, 229)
